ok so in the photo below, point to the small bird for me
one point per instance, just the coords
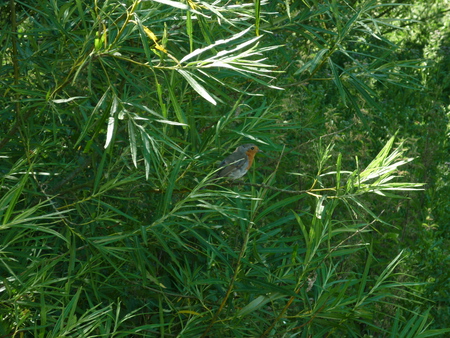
(237, 164)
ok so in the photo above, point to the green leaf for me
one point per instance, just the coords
(197, 86)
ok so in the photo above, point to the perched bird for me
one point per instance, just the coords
(237, 164)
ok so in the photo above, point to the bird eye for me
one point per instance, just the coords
(252, 148)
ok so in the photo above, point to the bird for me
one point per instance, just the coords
(237, 164)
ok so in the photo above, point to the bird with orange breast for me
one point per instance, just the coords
(237, 164)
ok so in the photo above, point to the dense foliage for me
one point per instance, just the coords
(115, 114)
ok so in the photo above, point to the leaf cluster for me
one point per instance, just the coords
(113, 116)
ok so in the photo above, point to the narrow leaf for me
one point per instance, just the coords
(197, 86)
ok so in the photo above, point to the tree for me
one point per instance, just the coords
(113, 117)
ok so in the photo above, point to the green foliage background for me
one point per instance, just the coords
(115, 114)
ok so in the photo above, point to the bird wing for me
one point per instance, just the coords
(228, 165)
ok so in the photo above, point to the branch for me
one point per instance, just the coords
(298, 192)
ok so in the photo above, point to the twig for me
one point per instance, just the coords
(298, 192)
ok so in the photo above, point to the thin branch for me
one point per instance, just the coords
(295, 192)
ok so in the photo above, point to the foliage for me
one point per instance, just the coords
(113, 116)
